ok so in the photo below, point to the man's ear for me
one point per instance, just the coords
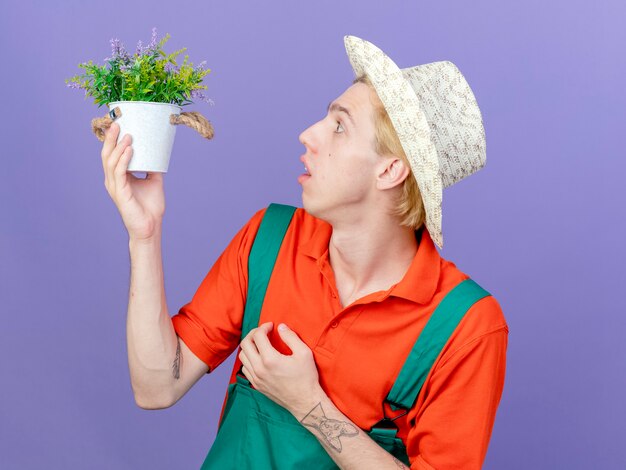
(393, 171)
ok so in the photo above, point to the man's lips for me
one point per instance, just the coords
(306, 165)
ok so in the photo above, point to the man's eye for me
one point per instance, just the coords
(338, 124)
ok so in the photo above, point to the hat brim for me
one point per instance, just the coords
(403, 107)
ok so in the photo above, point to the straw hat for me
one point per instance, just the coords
(436, 117)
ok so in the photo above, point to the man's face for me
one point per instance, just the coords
(341, 158)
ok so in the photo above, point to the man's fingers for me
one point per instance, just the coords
(245, 362)
(257, 346)
(109, 140)
(118, 152)
(292, 339)
(249, 375)
(266, 350)
(246, 365)
(249, 349)
(122, 165)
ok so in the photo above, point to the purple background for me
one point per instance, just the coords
(541, 227)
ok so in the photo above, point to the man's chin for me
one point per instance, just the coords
(313, 210)
(308, 207)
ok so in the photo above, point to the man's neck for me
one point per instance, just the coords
(372, 256)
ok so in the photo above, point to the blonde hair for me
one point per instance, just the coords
(409, 207)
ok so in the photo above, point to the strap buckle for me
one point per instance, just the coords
(387, 422)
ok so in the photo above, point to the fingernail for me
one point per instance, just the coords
(282, 327)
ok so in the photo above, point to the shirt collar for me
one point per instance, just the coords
(421, 279)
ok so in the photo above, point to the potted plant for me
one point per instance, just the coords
(145, 94)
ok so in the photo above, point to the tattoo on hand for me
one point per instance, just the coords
(176, 365)
(331, 429)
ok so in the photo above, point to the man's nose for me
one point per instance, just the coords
(307, 138)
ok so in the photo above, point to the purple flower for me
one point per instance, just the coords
(153, 44)
(118, 51)
(170, 68)
(151, 48)
(195, 93)
(138, 51)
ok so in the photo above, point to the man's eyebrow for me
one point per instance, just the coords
(337, 107)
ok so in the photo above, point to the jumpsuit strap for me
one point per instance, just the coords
(432, 339)
(262, 259)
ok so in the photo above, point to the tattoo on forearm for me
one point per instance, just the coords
(177, 359)
(330, 429)
(399, 464)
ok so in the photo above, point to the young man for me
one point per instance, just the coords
(355, 284)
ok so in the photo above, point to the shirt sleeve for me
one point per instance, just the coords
(210, 324)
(454, 428)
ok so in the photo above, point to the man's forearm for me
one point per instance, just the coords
(153, 350)
(344, 441)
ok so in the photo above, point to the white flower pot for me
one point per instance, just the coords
(148, 123)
